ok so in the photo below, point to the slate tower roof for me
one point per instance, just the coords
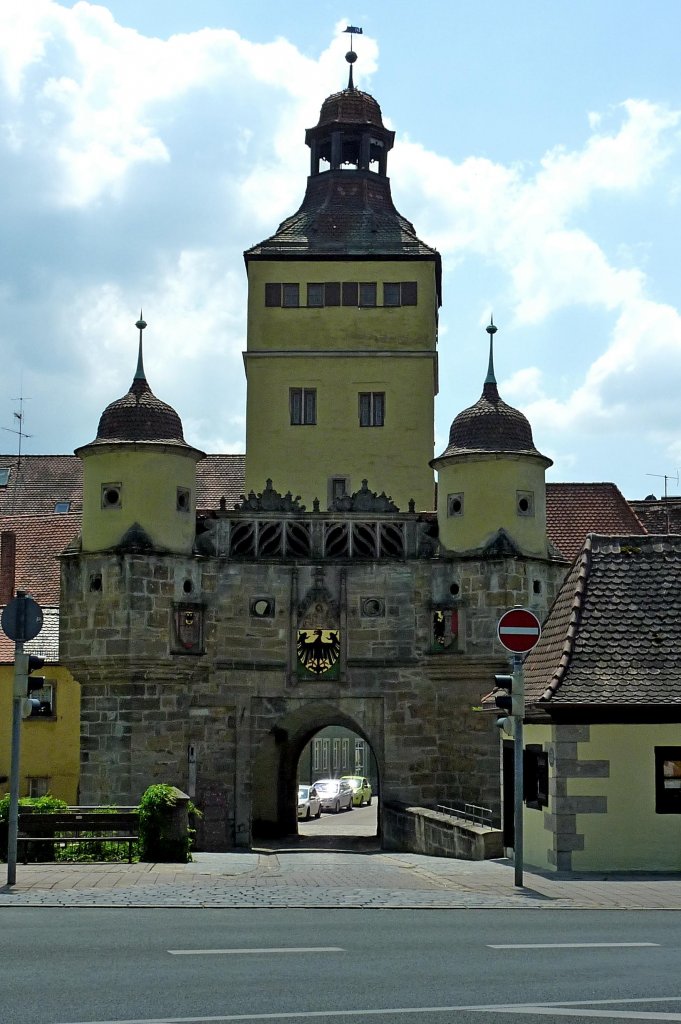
(139, 415)
(491, 425)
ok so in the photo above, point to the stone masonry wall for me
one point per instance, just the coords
(239, 703)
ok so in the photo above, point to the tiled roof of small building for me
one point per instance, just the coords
(41, 480)
(39, 539)
(614, 631)
(45, 645)
(574, 510)
(658, 515)
(37, 482)
(219, 476)
(490, 426)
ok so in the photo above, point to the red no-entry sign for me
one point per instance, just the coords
(518, 630)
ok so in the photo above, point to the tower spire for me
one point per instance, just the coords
(351, 56)
(491, 330)
(139, 372)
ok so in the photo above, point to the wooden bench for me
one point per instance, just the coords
(66, 828)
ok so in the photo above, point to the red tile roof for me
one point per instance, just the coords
(39, 481)
(39, 539)
(575, 510)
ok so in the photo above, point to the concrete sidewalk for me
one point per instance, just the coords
(337, 876)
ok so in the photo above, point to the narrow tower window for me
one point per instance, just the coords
(303, 406)
(183, 499)
(371, 408)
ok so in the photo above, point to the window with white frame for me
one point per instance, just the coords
(336, 754)
(346, 754)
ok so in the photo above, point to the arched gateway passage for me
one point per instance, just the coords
(276, 763)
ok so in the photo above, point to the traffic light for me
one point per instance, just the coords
(503, 687)
(34, 682)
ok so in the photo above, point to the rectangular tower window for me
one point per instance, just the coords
(371, 408)
(315, 294)
(336, 755)
(391, 293)
(272, 294)
(332, 293)
(290, 295)
(367, 293)
(350, 293)
(338, 486)
(399, 293)
(303, 406)
(408, 293)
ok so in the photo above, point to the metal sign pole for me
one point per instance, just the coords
(518, 697)
(13, 820)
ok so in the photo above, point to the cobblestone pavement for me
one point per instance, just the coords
(333, 874)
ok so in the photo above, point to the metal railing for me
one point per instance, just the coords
(469, 812)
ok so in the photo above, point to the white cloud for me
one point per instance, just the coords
(145, 166)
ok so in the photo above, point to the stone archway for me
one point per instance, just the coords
(275, 763)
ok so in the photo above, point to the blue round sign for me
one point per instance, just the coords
(22, 619)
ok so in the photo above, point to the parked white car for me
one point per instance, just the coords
(336, 794)
(309, 803)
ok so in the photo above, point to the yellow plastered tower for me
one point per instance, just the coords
(343, 300)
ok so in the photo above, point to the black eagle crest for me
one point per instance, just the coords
(318, 649)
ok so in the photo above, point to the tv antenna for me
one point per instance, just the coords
(666, 477)
(18, 429)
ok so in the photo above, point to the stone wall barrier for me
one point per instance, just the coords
(421, 830)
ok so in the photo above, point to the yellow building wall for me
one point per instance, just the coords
(537, 840)
(303, 458)
(150, 479)
(49, 747)
(631, 836)
(490, 485)
(340, 351)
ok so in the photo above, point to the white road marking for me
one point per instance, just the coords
(264, 949)
(560, 1009)
(569, 945)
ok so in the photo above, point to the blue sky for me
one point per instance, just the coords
(144, 146)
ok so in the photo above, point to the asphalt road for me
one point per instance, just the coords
(360, 821)
(90, 966)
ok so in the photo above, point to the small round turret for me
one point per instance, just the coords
(139, 474)
(491, 476)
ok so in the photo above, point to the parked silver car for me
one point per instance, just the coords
(309, 803)
(335, 794)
